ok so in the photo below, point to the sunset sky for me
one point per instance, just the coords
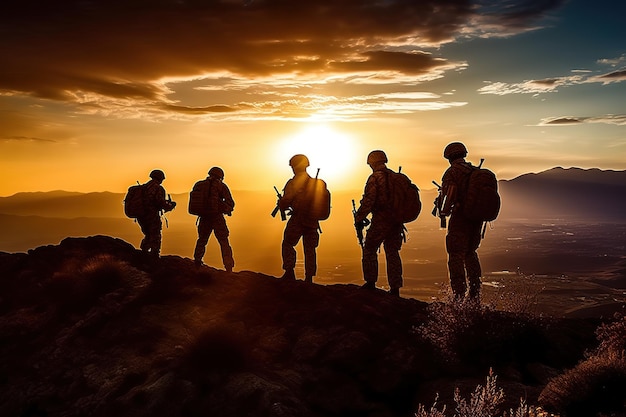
(95, 94)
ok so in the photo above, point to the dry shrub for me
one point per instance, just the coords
(612, 336)
(80, 283)
(597, 385)
(484, 401)
(471, 333)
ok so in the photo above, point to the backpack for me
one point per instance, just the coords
(313, 201)
(134, 202)
(404, 197)
(482, 201)
(200, 199)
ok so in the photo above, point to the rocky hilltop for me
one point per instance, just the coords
(90, 327)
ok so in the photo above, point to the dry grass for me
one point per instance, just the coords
(485, 401)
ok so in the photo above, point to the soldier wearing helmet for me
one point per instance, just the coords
(299, 226)
(155, 205)
(218, 203)
(464, 235)
(383, 229)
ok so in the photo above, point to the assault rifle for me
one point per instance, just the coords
(360, 226)
(439, 202)
(283, 216)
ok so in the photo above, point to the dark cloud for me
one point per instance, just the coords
(612, 119)
(564, 121)
(613, 76)
(549, 82)
(119, 48)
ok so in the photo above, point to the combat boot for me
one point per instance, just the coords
(369, 285)
(289, 275)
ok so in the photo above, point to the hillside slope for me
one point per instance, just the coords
(90, 327)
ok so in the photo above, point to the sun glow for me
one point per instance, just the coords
(334, 153)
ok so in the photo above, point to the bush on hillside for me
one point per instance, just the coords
(596, 386)
(484, 401)
(80, 283)
(471, 333)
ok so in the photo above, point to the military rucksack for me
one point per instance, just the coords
(482, 201)
(200, 201)
(313, 201)
(135, 202)
(404, 197)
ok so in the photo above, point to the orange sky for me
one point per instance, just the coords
(93, 95)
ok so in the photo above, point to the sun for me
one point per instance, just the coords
(331, 151)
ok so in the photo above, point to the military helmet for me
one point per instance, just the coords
(455, 149)
(157, 174)
(376, 156)
(216, 172)
(299, 160)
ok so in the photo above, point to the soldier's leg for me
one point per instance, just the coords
(291, 237)
(456, 246)
(144, 229)
(392, 246)
(222, 233)
(204, 232)
(472, 262)
(373, 239)
(153, 236)
(310, 241)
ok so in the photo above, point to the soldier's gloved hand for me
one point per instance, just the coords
(360, 224)
(170, 206)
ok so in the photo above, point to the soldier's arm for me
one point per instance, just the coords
(288, 194)
(159, 197)
(228, 198)
(449, 195)
(368, 200)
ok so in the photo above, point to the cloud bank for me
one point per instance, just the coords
(117, 53)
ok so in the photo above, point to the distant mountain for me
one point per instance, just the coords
(92, 327)
(573, 193)
(64, 204)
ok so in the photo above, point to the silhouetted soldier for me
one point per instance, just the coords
(299, 225)
(155, 205)
(219, 202)
(383, 229)
(464, 235)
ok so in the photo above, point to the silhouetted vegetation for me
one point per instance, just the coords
(598, 383)
(475, 335)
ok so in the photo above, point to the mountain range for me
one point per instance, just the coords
(582, 194)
